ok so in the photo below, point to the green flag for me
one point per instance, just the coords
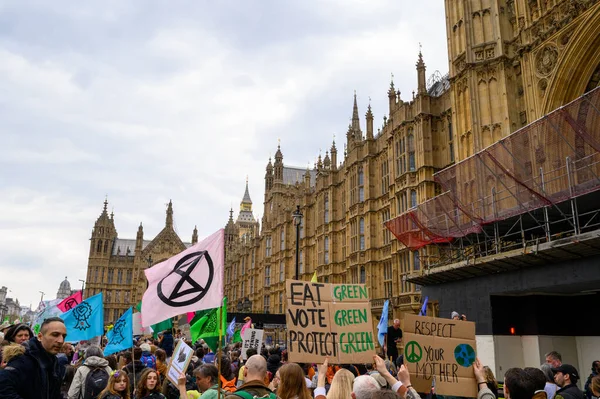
(237, 336)
(199, 315)
(207, 327)
(159, 327)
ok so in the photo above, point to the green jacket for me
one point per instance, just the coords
(213, 393)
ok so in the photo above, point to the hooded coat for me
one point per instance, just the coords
(32, 374)
(78, 385)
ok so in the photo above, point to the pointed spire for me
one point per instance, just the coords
(355, 119)
(169, 222)
(246, 199)
(104, 211)
(231, 215)
(391, 91)
(369, 117)
(422, 86)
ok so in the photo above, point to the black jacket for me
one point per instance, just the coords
(569, 392)
(34, 375)
(167, 343)
(273, 364)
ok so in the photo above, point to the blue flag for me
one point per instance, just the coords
(121, 335)
(383, 322)
(231, 328)
(86, 320)
(423, 311)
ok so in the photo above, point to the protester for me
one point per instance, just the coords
(554, 359)
(67, 380)
(254, 380)
(148, 386)
(595, 386)
(341, 385)
(137, 366)
(595, 372)
(274, 361)
(293, 384)
(391, 340)
(207, 380)
(385, 394)
(517, 384)
(240, 380)
(364, 387)
(36, 373)
(484, 391)
(550, 387)
(492, 384)
(566, 376)
(94, 363)
(117, 387)
(18, 333)
(538, 379)
(161, 363)
(227, 377)
(147, 358)
(166, 343)
(455, 316)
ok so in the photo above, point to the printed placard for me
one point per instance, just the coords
(442, 350)
(179, 361)
(329, 320)
(253, 338)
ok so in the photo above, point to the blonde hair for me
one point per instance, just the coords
(110, 387)
(341, 385)
(595, 385)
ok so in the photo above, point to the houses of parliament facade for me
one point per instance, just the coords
(510, 63)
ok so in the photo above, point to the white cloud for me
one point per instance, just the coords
(152, 102)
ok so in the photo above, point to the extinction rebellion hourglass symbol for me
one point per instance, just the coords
(180, 295)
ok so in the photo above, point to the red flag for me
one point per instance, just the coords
(70, 302)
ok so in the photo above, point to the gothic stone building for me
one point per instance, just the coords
(510, 63)
(116, 265)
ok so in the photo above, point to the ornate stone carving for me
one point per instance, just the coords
(545, 60)
(542, 85)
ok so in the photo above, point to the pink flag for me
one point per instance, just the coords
(70, 302)
(187, 282)
(190, 316)
(247, 325)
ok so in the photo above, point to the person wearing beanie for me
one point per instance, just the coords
(456, 316)
(148, 359)
(18, 333)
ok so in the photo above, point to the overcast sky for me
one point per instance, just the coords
(146, 101)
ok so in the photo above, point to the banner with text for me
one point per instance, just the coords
(253, 338)
(329, 320)
(440, 350)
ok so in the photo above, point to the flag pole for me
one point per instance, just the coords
(220, 322)
(133, 363)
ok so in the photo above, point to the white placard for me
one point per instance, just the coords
(137, 326)
(253, 338)
(179, 361)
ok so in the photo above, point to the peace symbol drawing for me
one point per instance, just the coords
(181, 287)
(413, 352)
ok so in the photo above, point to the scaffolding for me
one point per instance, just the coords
(538, 184)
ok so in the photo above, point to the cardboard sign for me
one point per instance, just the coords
(253, 338)
(441, 352)
(179, 361)
(329, 320)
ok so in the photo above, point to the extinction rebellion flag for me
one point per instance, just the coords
(86, 320)
(189, 281)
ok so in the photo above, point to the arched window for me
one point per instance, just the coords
(326, 257)
(326, 206)
(361, 185)
(411, 152)
(363, 275)
(361, 232)
(416, 261)
(106, 246)
(413, 198)
(99, 246)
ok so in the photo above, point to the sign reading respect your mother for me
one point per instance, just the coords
(329, 320)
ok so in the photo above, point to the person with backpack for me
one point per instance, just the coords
(92, 376)
(148, 359)
(117, 387)
(255, 374)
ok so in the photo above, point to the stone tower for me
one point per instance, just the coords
(64, 290)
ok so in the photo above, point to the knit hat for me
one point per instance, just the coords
(454, 314)
(145, 348)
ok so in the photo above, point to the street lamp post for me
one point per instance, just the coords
(297, 221)
(42, 298)
(82, 285)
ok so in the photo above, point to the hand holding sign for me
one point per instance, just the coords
(478, 371)
(404, 376)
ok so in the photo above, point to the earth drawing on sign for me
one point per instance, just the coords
(464, 355)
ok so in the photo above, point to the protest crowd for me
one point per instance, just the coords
(46, 366)
(69, 353)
